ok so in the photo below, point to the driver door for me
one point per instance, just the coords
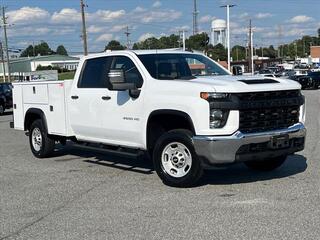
(121, 116)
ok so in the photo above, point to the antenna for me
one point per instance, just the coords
(195, 17)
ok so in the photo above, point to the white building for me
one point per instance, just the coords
(219, 32)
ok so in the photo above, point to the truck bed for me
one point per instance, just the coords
(50, 97)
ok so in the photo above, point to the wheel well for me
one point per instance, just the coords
(31, 116)
(163, 121)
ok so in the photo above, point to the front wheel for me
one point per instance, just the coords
(175, 159)
(41, 144)
(266, 165)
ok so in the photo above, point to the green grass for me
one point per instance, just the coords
(66, 75)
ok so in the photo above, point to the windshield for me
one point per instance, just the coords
(180, 66)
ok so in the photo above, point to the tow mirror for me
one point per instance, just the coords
(118, 81)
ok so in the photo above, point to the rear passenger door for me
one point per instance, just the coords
(86, 99)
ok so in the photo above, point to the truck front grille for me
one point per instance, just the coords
(259, 120)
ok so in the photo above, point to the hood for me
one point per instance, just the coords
(236, 84)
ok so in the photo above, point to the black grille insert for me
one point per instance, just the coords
(267, 119)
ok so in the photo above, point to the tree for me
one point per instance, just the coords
(238, 53)
(318, 32)
(198, 42)
(163, 42)
(61, 50)
(40, 49)
(217, 52)
(114, 45)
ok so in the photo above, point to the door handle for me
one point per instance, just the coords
(106, 98)
(74, 97)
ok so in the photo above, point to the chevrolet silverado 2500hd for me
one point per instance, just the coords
(182, 108)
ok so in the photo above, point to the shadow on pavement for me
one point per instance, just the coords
(232, 174)
(7, 113)
(239, 173)
(102, 157)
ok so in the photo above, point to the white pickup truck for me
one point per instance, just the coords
(182, 108)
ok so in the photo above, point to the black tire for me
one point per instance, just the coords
(266, 165)
(193, 174)
(2, 109)
(46, 146)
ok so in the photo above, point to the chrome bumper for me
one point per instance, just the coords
(228, 149)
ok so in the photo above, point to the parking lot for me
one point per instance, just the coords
(80, 194)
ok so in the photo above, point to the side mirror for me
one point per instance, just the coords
(117, 81)
(237, 70)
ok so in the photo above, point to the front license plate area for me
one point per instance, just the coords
(278, 142)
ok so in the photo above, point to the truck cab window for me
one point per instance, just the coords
(132, 74)
(94, 73)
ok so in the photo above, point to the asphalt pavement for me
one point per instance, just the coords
(82, 194)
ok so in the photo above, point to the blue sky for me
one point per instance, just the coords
(59, 22)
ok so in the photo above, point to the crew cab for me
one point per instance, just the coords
(182, 108)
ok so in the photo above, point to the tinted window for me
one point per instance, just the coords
(180, 66)
(95, 73)
(132, 74)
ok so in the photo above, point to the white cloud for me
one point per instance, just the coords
(300, 19)
(263, 15)
(26, 15)
(157, 4)
(161, 16)
(206, 19)
(105, 37)
(66, 15)
(108, 16)
(94, 29)
(145, 36)
(139, 9)
(179, 28)
(243, 16)
(118, 28)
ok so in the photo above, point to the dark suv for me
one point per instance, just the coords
(5, 97)
(311, 81)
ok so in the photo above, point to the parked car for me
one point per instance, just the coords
(310, 81)
(5, 97)
(150, 101)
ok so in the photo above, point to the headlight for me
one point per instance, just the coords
(214, 96)
(218, 118)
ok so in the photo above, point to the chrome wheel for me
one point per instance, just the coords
(36, 139)
(176, 160)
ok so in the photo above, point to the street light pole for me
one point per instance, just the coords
(228, 6)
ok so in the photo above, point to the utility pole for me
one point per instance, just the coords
(4, 22)
(195, 17)
(127, 33)
(84, 30)
(251, 64)
(228, 6)
(3, 63)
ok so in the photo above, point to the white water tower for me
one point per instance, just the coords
(219, 32)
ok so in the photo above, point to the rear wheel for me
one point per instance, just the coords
(41, 144)
(266, 165)
(175, 159)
